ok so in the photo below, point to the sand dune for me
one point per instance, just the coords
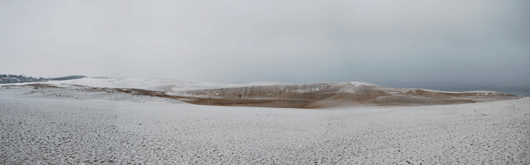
(277, 94)
(326, 95)
(71, 122)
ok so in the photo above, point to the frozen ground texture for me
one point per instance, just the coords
(39, 128)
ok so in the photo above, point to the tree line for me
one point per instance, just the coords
(10, 78)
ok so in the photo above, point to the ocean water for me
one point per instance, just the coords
(520, 90)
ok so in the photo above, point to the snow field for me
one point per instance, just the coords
(49, 129)
(88, 94)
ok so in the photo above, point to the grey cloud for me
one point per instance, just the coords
(245, 41)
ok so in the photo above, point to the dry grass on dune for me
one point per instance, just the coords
(311, 96)
(331, 96)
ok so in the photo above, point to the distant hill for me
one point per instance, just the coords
(278, 94)
(9, 78)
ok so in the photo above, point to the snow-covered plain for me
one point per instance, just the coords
(150, 84)
(55, 126)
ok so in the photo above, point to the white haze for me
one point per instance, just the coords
(291, 41)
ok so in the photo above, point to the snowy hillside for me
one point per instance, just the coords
(279, 94)
(147, 121)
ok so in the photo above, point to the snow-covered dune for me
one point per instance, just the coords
(279, 94)
(145, 121)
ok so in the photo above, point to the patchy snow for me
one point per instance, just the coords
(181, 88)
(478, 92)
(150, 84)
(353, 87)
(50, 129)
(138, 83)
(264, 83)
(355, 83)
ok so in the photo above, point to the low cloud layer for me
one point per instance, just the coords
(291, 41)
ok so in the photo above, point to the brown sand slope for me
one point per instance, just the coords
(325, 95)
(314, 95)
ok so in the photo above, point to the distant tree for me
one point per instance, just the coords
(21, 78)
(69, 77)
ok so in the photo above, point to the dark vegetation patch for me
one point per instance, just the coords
(35, 86)
(9, 78)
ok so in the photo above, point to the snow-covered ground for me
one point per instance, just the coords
(176, 86)
(55, 127)
(314, 93)
(149, 84)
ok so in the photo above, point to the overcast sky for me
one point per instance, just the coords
(291, 41)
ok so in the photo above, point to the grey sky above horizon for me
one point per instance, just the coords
(241, 41)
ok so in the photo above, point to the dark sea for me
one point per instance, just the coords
(520, 90)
